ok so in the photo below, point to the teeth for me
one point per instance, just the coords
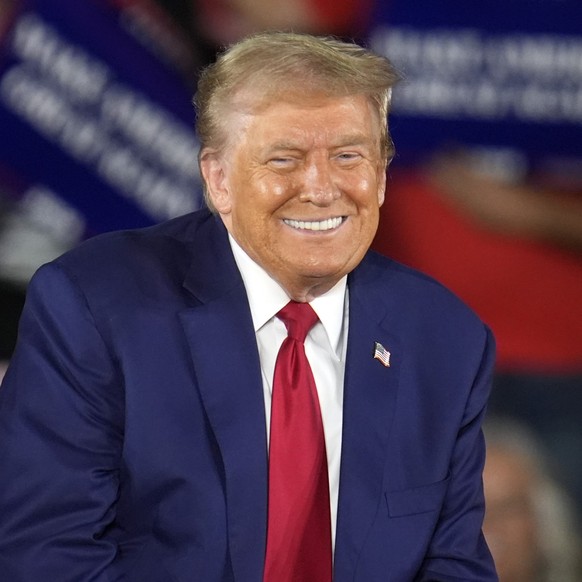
(327, 224)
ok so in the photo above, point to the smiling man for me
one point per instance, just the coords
(247, 393)
(300, 186)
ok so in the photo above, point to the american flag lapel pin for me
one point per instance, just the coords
(382, 354)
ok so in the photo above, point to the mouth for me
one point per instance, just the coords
(315, 225)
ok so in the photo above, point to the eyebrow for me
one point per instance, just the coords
(283, 145)
(356, 139)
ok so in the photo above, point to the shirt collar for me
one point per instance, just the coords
(266, 297)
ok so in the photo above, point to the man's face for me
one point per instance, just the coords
(299, 187)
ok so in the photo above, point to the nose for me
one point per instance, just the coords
(319, 185)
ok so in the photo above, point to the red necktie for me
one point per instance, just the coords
(299, 524)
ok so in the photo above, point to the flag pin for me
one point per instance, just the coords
(382, 354)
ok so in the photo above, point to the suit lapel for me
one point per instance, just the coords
(370, 391)
(226, 363)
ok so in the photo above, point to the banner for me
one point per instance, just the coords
(94, 125)
(502, 77)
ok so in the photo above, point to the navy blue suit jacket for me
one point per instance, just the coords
(132, 423)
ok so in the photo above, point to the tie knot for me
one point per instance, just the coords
(298, 318)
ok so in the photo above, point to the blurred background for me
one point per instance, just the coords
(485, 193)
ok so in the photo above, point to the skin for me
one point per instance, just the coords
(306, 158)
(510, 524)
(521, 209)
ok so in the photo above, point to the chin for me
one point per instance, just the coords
(322, 264)
(322, 273)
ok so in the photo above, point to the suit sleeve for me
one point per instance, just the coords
(61, 435)
(458, 551)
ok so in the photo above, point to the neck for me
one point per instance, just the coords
(306, 291)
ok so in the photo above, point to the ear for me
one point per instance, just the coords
(213, 168)
(382, 185)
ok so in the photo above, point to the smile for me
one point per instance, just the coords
(320, 225)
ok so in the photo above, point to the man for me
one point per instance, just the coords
(138, 439)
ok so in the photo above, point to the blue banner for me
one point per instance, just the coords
(502, 77)
(92, 120)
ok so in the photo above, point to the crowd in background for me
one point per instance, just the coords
(509, 245)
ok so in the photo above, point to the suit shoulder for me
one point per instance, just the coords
(134, 261)
(122, 252)
(114, 245)
(431, 321)
(416, 292)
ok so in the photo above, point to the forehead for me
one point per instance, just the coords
(310, 116)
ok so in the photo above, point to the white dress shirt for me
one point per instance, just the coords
(325, 347)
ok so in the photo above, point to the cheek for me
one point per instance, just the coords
(270, 190)
(364, 188)
(281, 187)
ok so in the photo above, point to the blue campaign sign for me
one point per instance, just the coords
(503, 76)
(90, 117)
